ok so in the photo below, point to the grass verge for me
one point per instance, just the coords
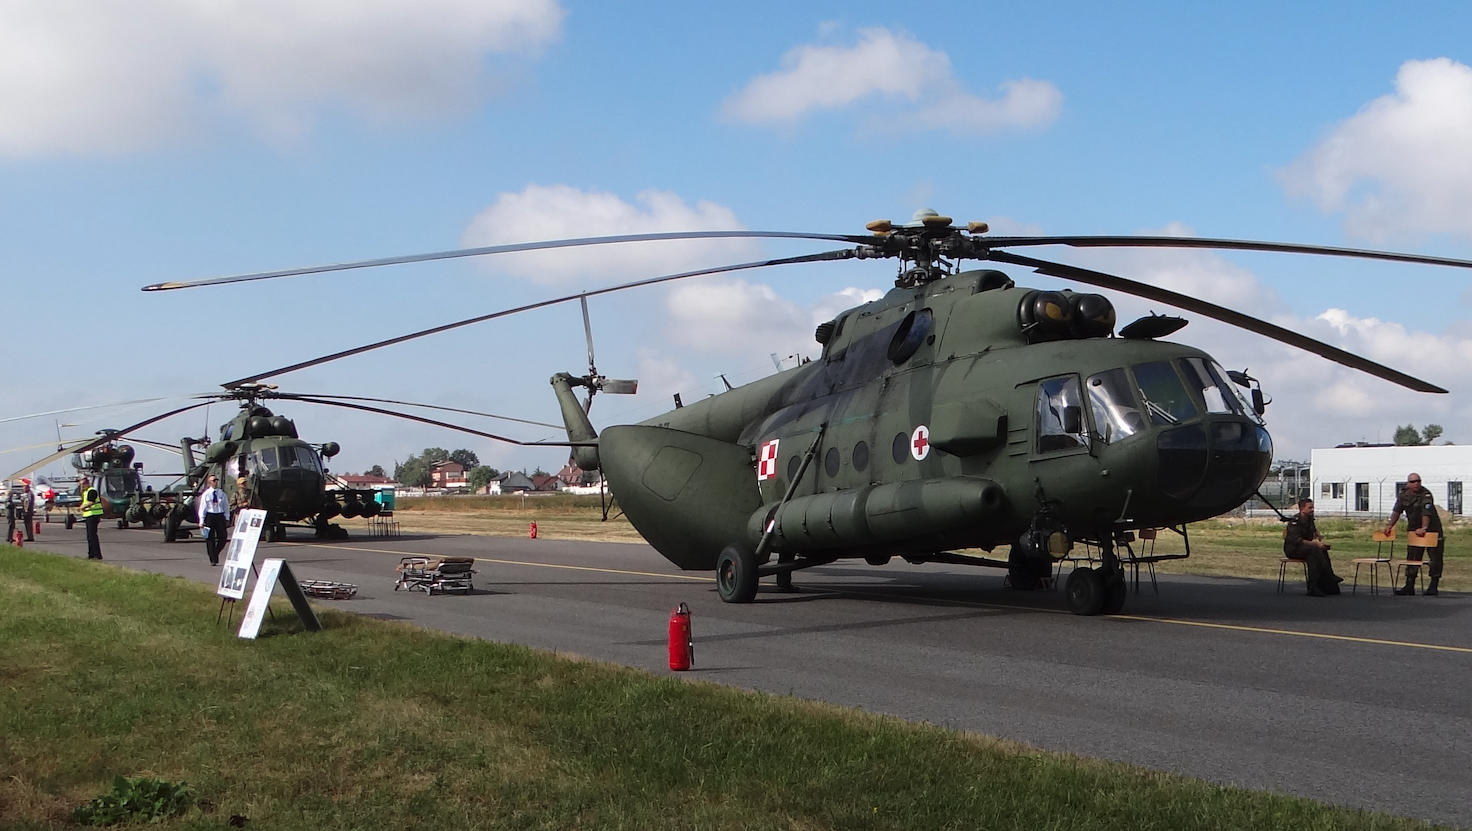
(379, 725)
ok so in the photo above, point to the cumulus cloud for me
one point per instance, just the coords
(103, 78)
(547, 212)
(1401, 165)
(893, 68)
(734, 317)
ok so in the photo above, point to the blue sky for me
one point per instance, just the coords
(171, 141)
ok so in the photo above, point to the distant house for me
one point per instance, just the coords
(513, 482)
(546, 483)
(448, 475)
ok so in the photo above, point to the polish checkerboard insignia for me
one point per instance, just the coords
(766, 464)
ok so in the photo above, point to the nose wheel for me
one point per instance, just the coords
(1095, 591)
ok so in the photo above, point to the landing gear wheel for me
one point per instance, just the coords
(1085, 591)
(70, 521)
(736, 574)
(171, 528)
(1115, 591)
(1023, 572)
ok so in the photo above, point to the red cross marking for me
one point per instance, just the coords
(920, 442)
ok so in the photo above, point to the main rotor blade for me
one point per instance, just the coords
(588, 333)
(807, 258)
(98, 442)
(1217, 244)
(89, 407)
(502, 249)
(446, 425)
(1225, 315)
(298, 395)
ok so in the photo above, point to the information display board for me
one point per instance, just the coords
(240, 554)
(273, 570)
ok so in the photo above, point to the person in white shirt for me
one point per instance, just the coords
(214, 515)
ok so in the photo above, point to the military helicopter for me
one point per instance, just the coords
(960, 412)
(286, 475)
(119, 482)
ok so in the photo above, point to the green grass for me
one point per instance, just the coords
(380, 725)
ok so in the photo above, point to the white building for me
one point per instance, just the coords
(1365, 480)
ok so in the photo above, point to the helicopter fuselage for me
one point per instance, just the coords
(941, 417)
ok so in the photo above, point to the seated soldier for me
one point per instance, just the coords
(1302, 541)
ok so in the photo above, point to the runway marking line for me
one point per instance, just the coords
(1321, 635)
(1172, 621)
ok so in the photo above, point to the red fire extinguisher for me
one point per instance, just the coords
(533, 532)
(682, 644)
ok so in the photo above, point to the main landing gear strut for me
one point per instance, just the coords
(1102, 590)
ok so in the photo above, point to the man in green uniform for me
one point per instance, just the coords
(92, 517)
(1421, 516)
(1302, 541)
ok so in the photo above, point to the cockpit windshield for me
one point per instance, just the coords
(1116, 415)
(1216, 390)
(117, 484)
(1165, 396)
(286, 456)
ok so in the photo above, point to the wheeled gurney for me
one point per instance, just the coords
(436, 574)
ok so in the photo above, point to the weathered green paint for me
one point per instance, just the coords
(973, 382)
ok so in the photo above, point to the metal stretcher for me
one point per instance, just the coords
(436, 574)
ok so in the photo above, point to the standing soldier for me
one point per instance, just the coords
(28, 508)
(92, 517)
(1421, 516)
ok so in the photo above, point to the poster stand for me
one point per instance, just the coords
(275, 570)
(240, 560)
(230, 619)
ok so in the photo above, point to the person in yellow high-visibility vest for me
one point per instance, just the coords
(92, 517)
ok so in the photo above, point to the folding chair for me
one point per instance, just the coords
(1283, 567)
(1383, 556)
(1428, 541)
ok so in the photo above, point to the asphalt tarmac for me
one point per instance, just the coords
(1358, 700)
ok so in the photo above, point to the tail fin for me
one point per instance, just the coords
(579, 428)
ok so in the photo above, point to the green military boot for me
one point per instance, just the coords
(1409, 587)
(1431, 589)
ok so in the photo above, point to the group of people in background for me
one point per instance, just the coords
(1302, 540)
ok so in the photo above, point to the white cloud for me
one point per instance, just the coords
(1402, 164)
(893, 68)
(736, 317)
(83, 78)
(547, 212)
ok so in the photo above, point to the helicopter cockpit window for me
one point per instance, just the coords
(266, 459)
(1216, 390)
(300, 457)
(227, 432)
(1165, 396)
(1060, 415)
(115, 483)
(1116, 415)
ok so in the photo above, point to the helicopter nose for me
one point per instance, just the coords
(1213, 466)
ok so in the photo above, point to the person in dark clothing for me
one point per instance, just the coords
(1302, 541)
(1421, 516)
